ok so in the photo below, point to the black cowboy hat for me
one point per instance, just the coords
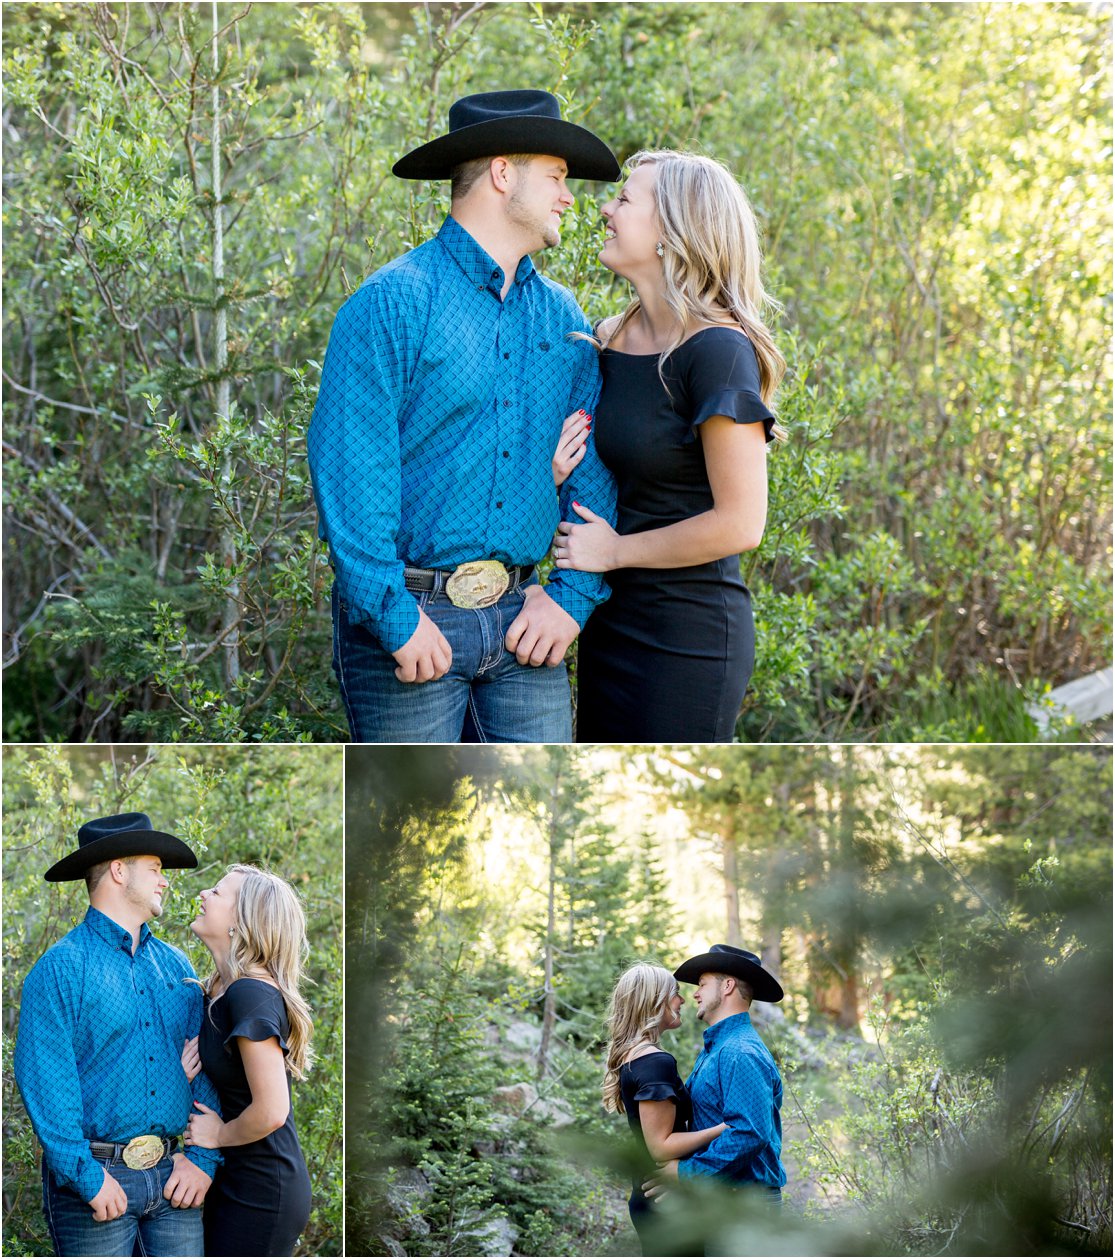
(521, 121)
(122, 835)
(726, 959)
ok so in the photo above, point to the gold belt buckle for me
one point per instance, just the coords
(143, 1152)
(478, 584)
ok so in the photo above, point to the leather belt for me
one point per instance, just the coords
(477, 584)
(138, 1153)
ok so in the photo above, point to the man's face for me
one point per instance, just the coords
(709, 997)
(145, 885)
(539, 199)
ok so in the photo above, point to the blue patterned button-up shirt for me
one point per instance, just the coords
(735, 1081)
(98, 1055)
(437, 418)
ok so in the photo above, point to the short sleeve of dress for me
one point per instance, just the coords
(721, 376)
(255, 1011)
(656, 1078)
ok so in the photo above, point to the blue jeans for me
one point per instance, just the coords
(503, 701)
(150, 1226)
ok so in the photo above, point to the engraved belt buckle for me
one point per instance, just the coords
(143, 1152)
(478, 584)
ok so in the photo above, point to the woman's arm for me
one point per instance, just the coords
(657, 1120)
(265, 1068)
(736, 460)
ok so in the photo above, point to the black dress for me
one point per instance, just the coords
(259, 1201)
(668, 657)
(651, 1078)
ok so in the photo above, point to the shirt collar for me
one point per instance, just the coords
(112, 932)
(477, 264)
(726, 1028)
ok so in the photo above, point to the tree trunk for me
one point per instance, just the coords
(731, 878)
(548, 1002)
(231, 617)
(846, 938)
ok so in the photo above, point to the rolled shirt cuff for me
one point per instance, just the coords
(88, 1180)
(578, 605)
(393, 624)
(206, 1160)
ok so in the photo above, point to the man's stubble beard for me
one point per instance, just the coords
(523, 218)
(153, 905)
(709, 1007)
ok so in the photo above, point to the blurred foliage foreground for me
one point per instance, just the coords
(276, 807)
(185, 209)
(968, 1112)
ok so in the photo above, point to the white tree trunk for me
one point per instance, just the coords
(231, 616)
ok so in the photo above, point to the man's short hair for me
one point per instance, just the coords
(96, 873)
(742, 986)
(466, 176)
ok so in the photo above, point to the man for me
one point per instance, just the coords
(103, 1020)
(734, 1080)
(448, 376)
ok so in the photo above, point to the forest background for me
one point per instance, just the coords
(190, 191)
(276, 807)
(939, 918)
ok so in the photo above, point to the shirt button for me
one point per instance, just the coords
(152, 1092)
(500, 504)
(507, 454)
(506, 354)
(507, 402)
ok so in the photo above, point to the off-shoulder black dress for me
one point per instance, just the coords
(651, 1078)
(259, 1201)
(668, 657)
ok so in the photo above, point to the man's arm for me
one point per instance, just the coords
(590, 484)
(553, 617)
(205, 1161)
(355, 461)
(203, 1090)
(745, 1090)
(47, 1074)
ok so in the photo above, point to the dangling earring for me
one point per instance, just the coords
(231, 932)
(659, 250)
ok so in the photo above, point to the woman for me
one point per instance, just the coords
(689, 371)
(254, 1037)
(642, 1081)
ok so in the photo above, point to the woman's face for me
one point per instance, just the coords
(218, 909)
(671, 1016)
(631, 224)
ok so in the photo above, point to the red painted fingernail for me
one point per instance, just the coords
(590, 419)
(575, 503)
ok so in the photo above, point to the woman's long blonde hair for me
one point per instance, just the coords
(711, 259)
(270, 935)
(634, 1018)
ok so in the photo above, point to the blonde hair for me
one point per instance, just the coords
(634, 1018)
(270, 935)
(711, 261)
